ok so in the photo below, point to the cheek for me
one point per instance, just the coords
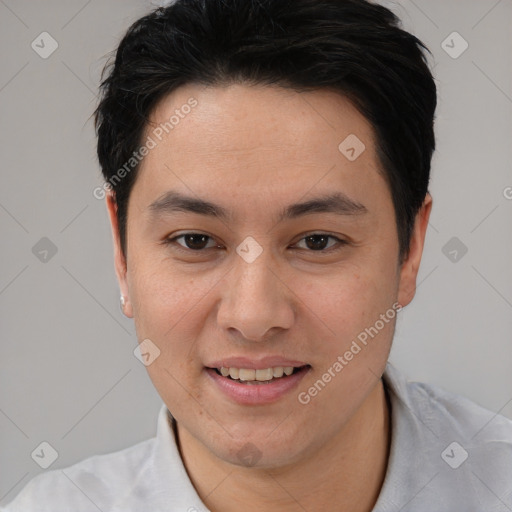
(355, 292)
(168, 304)
(163, 293)
(348, 305)
(356, 311)
(167, 310)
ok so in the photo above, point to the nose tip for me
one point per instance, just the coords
(255, 303)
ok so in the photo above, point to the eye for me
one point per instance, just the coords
(192, 241)
(316, 242)
(198, 242)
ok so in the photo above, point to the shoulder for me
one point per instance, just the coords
(91, 484)
(441, 410)
(446, 451)
(147, 476)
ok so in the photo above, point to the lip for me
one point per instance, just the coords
(258, 394)
(255, 364)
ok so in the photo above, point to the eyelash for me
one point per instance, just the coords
(179, 247)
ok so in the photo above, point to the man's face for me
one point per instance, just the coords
(255, 289)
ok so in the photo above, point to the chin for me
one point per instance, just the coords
(262, 451)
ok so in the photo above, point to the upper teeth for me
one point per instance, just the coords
(261, 375)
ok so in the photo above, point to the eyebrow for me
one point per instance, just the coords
(337, 203)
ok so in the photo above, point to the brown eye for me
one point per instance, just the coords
(318, 242)
(192, 241)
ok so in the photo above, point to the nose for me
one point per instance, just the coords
(255, 300)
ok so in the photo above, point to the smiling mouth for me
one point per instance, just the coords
(264, 376)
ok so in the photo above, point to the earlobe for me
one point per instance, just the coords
(119, 257)
(125, 306)
(411, 265)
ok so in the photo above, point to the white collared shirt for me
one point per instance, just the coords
(447, 454)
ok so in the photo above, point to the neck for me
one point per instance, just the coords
(346, 474)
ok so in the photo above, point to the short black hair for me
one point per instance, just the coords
(354, 47)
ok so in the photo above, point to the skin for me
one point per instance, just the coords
(254, 150)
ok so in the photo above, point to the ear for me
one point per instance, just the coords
(411, 265)
(119, 258)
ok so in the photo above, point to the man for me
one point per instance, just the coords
(267, 167)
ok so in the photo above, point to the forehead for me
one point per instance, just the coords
(241, 118)
(261, 140)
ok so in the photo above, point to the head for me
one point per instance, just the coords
(267, 167)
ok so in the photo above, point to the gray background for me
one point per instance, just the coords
(68, 373)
